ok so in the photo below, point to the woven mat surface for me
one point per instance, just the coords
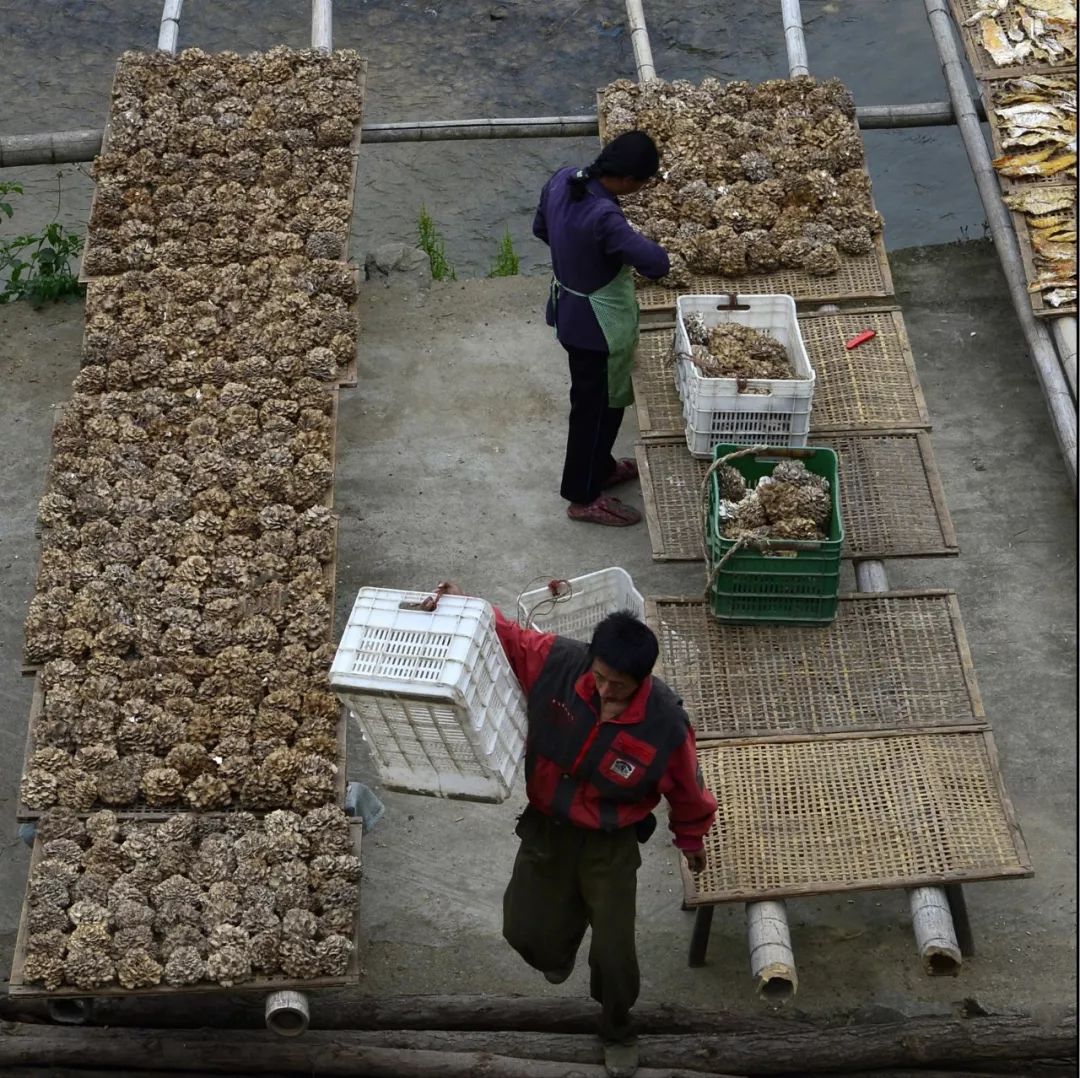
(982, 63)
(897, 661)
(890, 496)
(812, 817)
(859, 277)
(871, 387)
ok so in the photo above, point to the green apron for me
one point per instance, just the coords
(616, 309)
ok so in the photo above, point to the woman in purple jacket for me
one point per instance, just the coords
(595, 314)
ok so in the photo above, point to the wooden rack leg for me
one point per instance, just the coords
(699, 941)
(954, 892)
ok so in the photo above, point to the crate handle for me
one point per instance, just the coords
(732, 304)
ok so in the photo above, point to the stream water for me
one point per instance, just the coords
(447, 59)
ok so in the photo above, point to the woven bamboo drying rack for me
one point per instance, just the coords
(891, 496)
(865, 277)
(981, 62)
(859, 276)
(354, 149)
(894, 661)
(987, 88)
(871, 387)
(1039, 307)
(18, 987)
(855, 813)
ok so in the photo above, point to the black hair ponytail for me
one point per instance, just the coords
(579, 182)
(632, 154)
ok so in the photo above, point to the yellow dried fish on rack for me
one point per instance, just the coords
(1020, 32)
(1050, 213)
(1036, 118)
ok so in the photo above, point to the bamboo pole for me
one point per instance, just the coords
(1064, 332)
(772, 962)
(798, 64)
(1048, 366)
(322, 21)
(489, 128)
(639, 39)
(56, 147)
(170, 26)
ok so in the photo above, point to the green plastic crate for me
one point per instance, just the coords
(788, 582)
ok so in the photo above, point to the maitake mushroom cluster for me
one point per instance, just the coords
(215, 160)
(754, 178)
(191, 900)
(791, 503)
(183, 607)
(732, 350)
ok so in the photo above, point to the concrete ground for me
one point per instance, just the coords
(448, 459)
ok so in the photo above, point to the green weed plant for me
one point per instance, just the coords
(507, 263)
(38, 265)
(434, 247)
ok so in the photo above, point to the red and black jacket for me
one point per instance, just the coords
(599, 774)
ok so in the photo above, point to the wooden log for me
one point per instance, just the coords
(772, 963)
(348, 1009)
(326, 1054)
(809, 1048)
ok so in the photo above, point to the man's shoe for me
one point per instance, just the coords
(557, 976)
(621, 1060)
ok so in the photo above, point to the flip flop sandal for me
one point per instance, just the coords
(624, 470)
(607, 511)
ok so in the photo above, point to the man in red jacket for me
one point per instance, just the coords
(605, 741)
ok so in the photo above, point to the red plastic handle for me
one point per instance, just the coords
(861, 338)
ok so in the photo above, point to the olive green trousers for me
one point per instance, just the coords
(569, 878)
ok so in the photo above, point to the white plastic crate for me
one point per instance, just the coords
(592, 597)
(772, 411)
(433, 693)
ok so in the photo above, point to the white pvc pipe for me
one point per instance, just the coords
(639, 39)
(1063, 330)
(798, 64)
(170, 26)
(322, 19)
(772, 962)
(1043, 354)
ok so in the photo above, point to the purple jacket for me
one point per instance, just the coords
(590, 242)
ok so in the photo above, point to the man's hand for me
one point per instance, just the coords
(695, 861)
(447, 587)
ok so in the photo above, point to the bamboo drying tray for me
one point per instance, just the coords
(354, 149)
(18, 987)
(987, 88)
(891, 498)
(1039, 307)
(895, 661)
(871, 387)
(859, 277)
(849, 814)
(982, 64)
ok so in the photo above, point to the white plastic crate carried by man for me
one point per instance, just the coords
(573, 607)
(433, 693)
(767, 411)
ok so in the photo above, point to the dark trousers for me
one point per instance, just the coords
(593, 427)
(566, 879)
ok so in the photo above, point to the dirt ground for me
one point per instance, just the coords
(448, 459)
